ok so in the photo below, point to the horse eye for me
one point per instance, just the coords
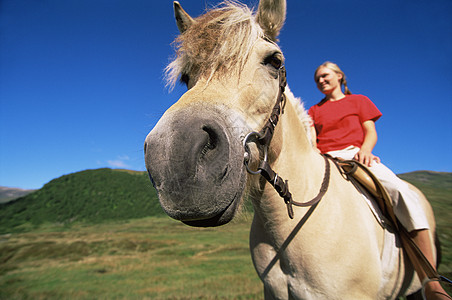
(274, 60)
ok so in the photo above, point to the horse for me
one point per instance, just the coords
(204, 157)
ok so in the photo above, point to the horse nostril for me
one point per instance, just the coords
(212, 140)
(211, 155)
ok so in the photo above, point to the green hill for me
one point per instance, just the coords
(100, 195)
(435, 184)
(92, 196)
(437, 187)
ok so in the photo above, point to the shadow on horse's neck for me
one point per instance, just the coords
(289, 239)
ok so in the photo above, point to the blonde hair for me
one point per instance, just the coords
(335, 68)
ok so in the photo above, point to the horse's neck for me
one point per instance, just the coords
(298, 161)
(294, 159)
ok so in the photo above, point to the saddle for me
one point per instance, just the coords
(362, 177)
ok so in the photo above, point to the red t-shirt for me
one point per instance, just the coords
(339, 123)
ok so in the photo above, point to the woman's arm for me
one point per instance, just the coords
(365, 155)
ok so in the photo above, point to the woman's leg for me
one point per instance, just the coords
(407, 204)
(409, 211)
(433, 289)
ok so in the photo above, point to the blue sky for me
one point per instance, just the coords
(81, 81)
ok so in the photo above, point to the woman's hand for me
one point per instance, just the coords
(366, 157)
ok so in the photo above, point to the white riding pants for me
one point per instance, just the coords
(407, 204)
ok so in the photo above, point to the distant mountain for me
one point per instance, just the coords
(100, 195)
(7, 194)
(88, 196)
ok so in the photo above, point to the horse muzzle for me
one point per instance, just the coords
(194, 157)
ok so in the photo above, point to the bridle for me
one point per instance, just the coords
(263, 138)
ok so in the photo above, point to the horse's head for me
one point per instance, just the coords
(230, 63)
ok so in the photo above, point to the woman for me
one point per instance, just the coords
(344, 126)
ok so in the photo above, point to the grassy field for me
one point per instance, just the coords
(151, 258)
(148, 258)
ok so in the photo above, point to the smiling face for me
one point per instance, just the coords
(327, 80)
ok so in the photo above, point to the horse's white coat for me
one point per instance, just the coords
(336, 250)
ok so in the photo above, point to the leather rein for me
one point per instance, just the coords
(263, 138)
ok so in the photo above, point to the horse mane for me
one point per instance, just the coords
(218, 43)
(302, 113)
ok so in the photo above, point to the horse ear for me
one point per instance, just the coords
(183, 19)
(271, 15)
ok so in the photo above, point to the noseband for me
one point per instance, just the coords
(263, 138)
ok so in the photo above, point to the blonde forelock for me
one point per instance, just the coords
(217, 42)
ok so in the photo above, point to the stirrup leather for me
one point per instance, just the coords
(354, 170)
